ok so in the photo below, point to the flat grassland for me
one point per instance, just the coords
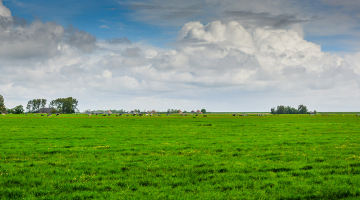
(180, 157)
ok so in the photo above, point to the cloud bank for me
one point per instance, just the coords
(222, 66)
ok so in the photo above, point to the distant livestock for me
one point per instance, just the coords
(34, 115)
(234, 114)
(89, 114)
(57, 114)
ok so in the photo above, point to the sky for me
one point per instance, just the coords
(221, 55)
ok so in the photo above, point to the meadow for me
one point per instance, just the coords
(180, 157)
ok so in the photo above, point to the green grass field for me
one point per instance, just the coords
(180, 157)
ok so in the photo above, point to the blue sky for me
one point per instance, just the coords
(119, 17)
(229, 55)
(90, 16)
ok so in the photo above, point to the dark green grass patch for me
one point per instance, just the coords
(178, 157)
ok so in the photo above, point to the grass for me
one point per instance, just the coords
(180, 157)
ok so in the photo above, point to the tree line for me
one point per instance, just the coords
(60, 105)
(290, 110)
(35, 105)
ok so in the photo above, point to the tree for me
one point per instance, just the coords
(18, 109)
(35, 105)
(273, 111)
(203, 110)
(43, 103)
(302, 109)
(66, 105)
(286, 110)
(2, 104)
(28, 107)
(280, 109)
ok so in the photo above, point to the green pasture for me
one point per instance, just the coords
(180, 157)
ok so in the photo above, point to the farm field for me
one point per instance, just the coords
(180, 157)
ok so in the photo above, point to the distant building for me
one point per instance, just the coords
(180, 111)
(198, 111)
(46, 110)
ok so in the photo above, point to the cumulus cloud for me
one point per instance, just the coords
(336, 19)
(265, 18)
(80, 39)
(223, 65)
(4, 11)
(38, 39)
(19, 40)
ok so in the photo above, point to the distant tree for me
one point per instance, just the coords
(66, 105)
(294, 111)
(35, 105)
(2, 104)
(28, 107)
(287, 110)
(280, 109)
(273, 111)
(43, 103)
(9, 111)
(18, 109)
(203, 110)
(173, 111)
(302, 109)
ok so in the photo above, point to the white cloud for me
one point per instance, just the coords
(4, 11)
(38, 39)
(220, 66)
(104, 26)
